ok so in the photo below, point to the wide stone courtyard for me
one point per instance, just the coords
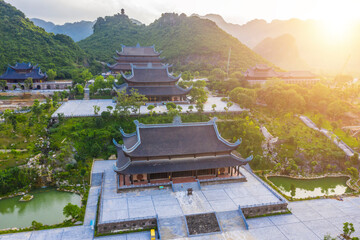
(84, 108)
(309, 219)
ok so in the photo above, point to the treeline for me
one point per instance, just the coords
(281, 98)
(15, 178)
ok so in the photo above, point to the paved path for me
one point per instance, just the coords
(343, 146)
(84, 108)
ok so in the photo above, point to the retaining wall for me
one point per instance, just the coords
(127, 225)
(262, 209)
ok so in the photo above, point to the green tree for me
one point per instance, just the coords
(337, 108)
(72, 210)
(79, 89)
(51, 74)
(151, 108)
(292, 191)
(36, 225)
(36, 108)
(170, 105)
(96, 109)
(28, 83)
(353, 172)
(213, 107)
(3, 84)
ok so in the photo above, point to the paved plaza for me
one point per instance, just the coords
(309, 219)
(84, 108)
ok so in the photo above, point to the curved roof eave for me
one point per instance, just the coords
(127, 134)
(131, 149)
(233, 145)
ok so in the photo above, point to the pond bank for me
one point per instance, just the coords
(48, 200)
(296, 188)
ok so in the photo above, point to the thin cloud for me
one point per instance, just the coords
(236, 11)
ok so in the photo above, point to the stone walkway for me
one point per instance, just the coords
(84, 108)
(338, 142)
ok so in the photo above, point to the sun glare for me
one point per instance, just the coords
(337, 21)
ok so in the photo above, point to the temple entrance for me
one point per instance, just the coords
(182, 174)
(38, 87)
(48, 87)
(206, 172)
(158, 176)
(22, 87)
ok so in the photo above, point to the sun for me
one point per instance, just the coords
(337, 19)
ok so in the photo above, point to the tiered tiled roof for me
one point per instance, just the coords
(175, 146)
(150, 74)
(22, 71)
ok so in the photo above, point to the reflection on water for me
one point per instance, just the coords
(46, 207)
(305, 188)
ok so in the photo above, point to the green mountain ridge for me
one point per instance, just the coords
(187, 42)
(22, 41)
(76, 30)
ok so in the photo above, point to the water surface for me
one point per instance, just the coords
(46, 207)
(305, 188)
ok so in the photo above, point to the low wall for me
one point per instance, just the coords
(213, 181)
(96, 179)
(262, 209)
(127, 225)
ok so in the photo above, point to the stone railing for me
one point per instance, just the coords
(220, 180)
(146, 185)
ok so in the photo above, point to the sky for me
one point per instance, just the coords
(234, 11)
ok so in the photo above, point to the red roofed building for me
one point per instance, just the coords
(138, 55)
(260, 73)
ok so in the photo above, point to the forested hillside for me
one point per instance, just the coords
(22, 41)
(187, 42)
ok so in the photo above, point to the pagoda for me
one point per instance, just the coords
(135, 55)
(22, 71)
(155, 82)
(164, 153)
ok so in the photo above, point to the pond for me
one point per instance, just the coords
(306, 188)
(46, 207)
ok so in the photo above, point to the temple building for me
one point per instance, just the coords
(261, 73)
(22, 71)
(155, 82)
(165, 153)
(137, 55)
(16, 75)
